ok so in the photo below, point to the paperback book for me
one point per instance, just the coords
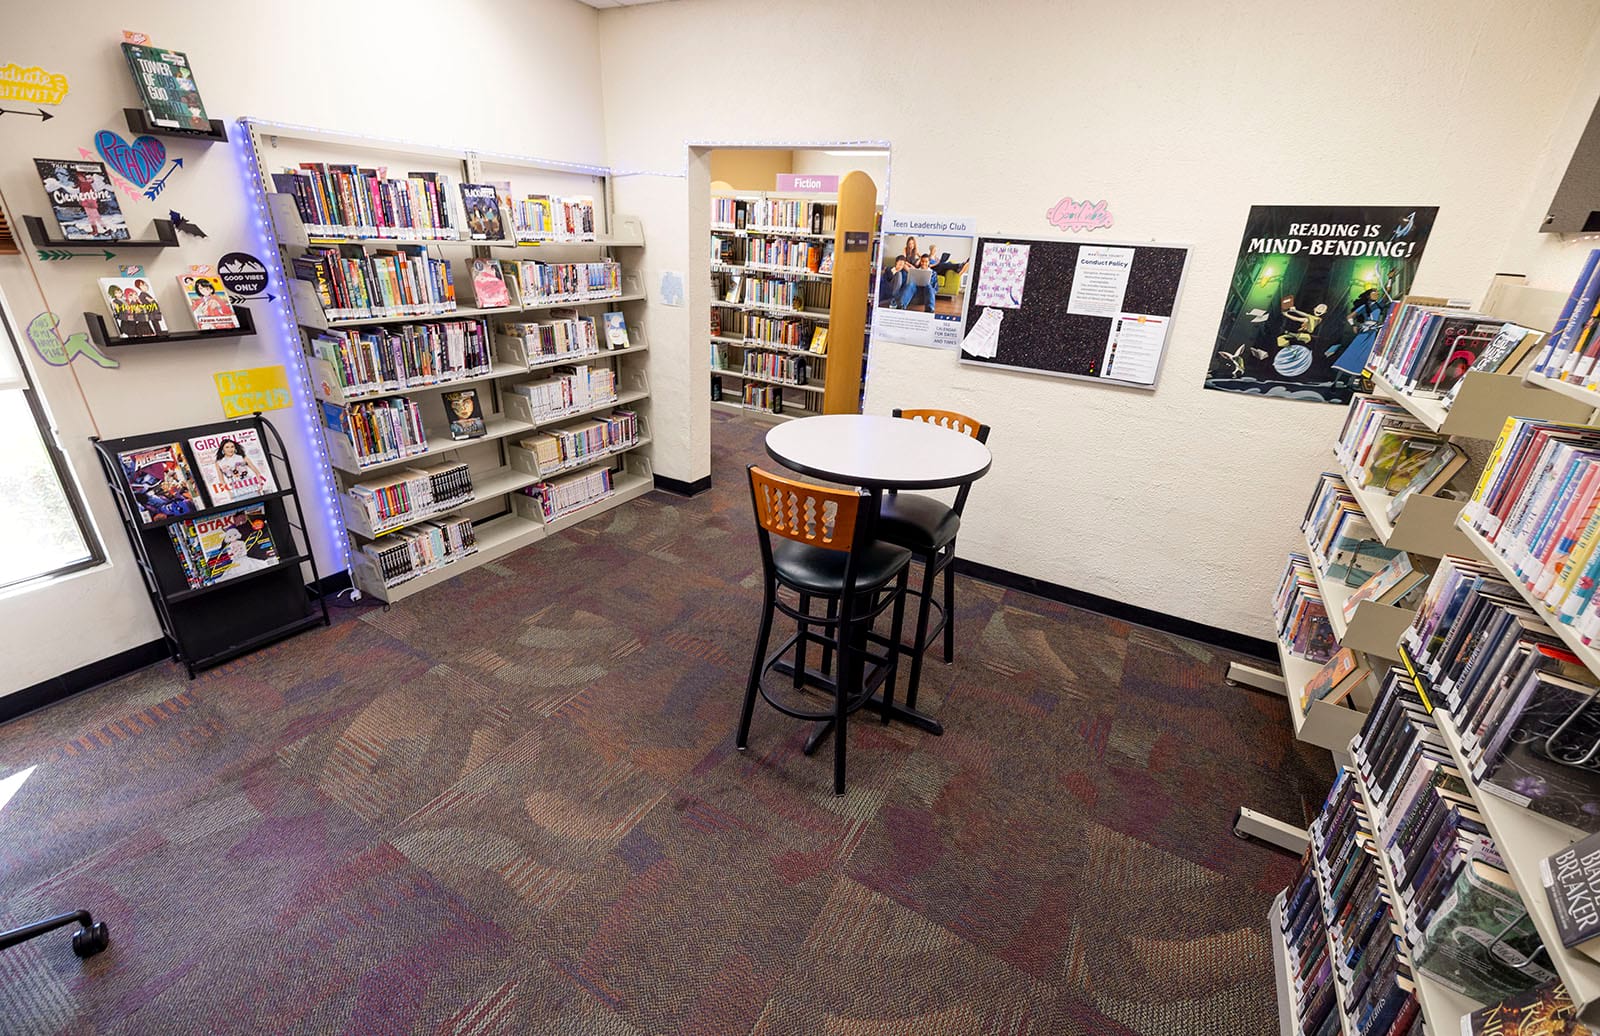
(1335, 680)
(160, 479)
(82, 200)
(481, 204)
(208, 302)
(1571, 880)
(489, 285)
(465, 414)
(616, 330)
(166, 84)
(133, 306)
(1545, 1011)
(233, 466)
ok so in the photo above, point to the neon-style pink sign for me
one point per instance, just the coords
(1067, 214)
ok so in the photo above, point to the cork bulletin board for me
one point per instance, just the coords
(1098, 310)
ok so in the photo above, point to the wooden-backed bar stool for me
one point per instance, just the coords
(927, 527)
(818, 544)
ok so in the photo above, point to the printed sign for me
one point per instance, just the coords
(244, 392)
(33, 84)
(242, 273)
(922, 280)
(807, 183)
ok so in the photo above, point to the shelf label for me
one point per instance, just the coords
(243, 392)
(807, 183)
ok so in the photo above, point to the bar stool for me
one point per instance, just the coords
(927, 527)
(825, 554)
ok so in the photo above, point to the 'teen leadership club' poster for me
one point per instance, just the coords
(1310, 290)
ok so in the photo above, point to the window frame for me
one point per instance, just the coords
(58, 461)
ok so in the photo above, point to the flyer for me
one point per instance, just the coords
(924, 268)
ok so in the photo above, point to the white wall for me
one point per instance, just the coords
(272, 62)
(1181, 116)
(816, 160)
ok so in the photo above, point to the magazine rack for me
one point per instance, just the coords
(210, 625)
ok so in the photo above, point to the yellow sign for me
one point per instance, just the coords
(34, 84)
(243, 392)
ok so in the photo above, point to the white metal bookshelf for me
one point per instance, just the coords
(504, 518)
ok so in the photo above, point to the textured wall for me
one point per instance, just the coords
(1181, 116)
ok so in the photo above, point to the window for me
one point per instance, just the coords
(43, 530)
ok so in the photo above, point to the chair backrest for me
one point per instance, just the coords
(956, 422)
(814, 515)
(948, 419)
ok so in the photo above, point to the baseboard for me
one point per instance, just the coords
(672, 485)
(1228, 640)
(48, 692)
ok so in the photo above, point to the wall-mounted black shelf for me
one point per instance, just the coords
(209, 625)
(102, 336)
(139, 122)
(166, 237)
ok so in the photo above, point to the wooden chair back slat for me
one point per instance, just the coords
(806, 513)
(950, 419)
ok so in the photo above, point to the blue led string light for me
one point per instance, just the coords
(265, 239)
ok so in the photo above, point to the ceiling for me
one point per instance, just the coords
(603, 4)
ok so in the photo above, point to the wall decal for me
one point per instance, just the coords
(242, 274)
(157, 187)
(179, 223)
(139, 161)
(122, 185)
(41, 114)
(33, 85)
(42, 332)
(671, 288)
(1067, 214)
(243, 392)
(56, 255)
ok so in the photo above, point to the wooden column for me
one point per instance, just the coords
(852, 280)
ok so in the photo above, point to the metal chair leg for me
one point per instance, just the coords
(742, 741)
(842, 689)
(827, 648)
(800, 643)
(914, 680)
(950, 605)
(897, 616)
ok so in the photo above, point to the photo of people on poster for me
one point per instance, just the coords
(924, 268)
(1311, 288)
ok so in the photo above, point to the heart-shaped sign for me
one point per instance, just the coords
(139, 161)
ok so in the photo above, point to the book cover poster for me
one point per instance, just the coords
(233, 466)
(1310, 290)
(82, 200)
(167, 85)
(924, 269)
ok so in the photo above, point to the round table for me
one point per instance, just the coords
(878, 453)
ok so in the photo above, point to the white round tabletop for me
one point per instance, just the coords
(878, 452)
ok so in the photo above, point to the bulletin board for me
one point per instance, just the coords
(1098, 310)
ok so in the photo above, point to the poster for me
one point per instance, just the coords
(243, 392)
(1311, 288)
(924, 269)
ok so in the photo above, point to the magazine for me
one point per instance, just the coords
(233, 466)
(82, 200)
(133, 306)
(162, 484)
(480, 202)
(166, 84)
(224, 546)
(208, 302)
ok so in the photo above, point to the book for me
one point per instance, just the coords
(161, 481)
(208, 302)
(166, 84)
(82, 200)
(233, 466)
(1541, 767)
(1460, 948)
(224, 546)
(465, 414)
(616, 330)
(1434, 474)
(1338, 677)
(488, 284)
(1571, 881)
(1544, 1011)
(819, 340)
(134, 309)
(480, 202)
(1394, 580)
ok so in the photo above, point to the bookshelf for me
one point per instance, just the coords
(552, 277)
(792, 300)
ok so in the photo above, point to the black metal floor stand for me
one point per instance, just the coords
(88, 940)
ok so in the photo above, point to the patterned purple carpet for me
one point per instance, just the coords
(512, 805)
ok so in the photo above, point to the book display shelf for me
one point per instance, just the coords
(263, 601)
(783, 285)
(1437, 527)
(551, 344)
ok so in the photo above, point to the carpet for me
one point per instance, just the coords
(511, 804)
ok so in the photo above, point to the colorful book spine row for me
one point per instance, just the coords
(1301, 615)
(571, 390)
(764, 398)
(1571, 350)
(421, 549)
(569, 494)
(1310, 960)
(541, 284)
(378, 431)
(385, 284)
(412, 494)
(552, 339)
(343, 201)
(543, 217)
(389, 359)
(1427, 350)
(784, 252)
(784, 331)
(571, 446)
(1538, 506)
(788, 369)
(789, 214)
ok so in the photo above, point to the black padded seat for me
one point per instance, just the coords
(820, 571)
(920, 523)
